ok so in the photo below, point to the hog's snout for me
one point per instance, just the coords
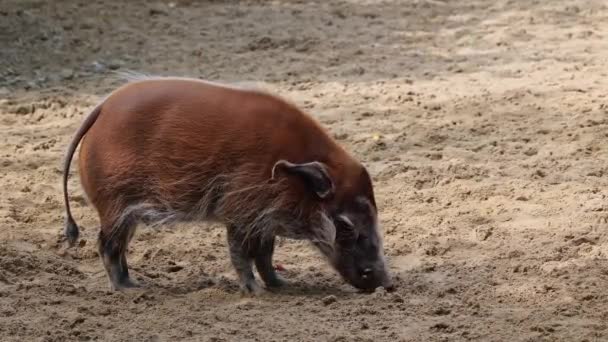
(368, 278)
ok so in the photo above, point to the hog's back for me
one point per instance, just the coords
(168, 137)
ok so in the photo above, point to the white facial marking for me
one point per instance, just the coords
(346, 220)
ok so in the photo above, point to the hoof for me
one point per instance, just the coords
(251, 288)
(126, 284)
(276, 282)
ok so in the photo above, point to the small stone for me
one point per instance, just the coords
(24, 110)
(114, 65)
(174, 268)
(329, 300)
(441, 312)
(434, 156)
(398, 299)
(76, 322)
(156, 12)
(31, 85)
(441, 326)
(67, 74)
(341, 136)
(483, 233)
(98, 67)
(87, 24)
(380, 291)
(71, 289)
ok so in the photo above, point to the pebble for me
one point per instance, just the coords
(398, 299)
(379, 292)
(98, 67)
(77, 321)
(531, 152)
(330, 299)
(174, 268)
(26, 109)
(114, 65)
(31, 85)
(67, 74)
(87, 24)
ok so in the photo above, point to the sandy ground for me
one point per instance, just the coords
(484, 124)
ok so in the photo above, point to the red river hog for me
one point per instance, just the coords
(162, 150)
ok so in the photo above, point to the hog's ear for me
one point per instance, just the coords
(314, 175)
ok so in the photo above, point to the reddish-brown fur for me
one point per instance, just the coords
(203, 120)
(174, 147)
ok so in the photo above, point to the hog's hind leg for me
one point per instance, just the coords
(113, 243)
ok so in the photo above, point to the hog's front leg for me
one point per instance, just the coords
(263, 263)
(242, 260)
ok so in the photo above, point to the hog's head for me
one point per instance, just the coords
(345, 228)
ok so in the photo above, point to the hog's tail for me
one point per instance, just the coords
(71, 228)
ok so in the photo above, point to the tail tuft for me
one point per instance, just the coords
(71, 231)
